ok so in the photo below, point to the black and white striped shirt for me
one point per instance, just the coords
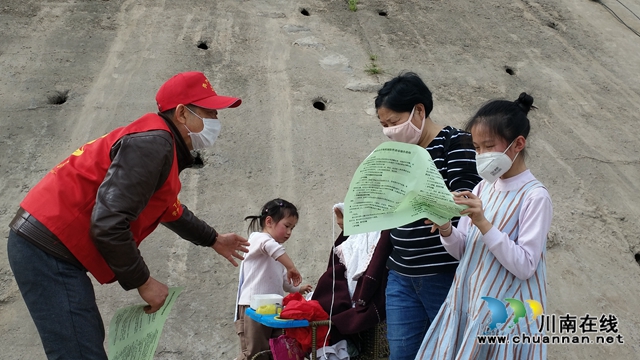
(416, 251)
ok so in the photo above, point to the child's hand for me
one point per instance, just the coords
(474, 210)
(294, 277)
(305, 289)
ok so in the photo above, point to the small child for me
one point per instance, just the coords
(266, 269)
(500, 244)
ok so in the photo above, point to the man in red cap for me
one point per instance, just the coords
(91, 211)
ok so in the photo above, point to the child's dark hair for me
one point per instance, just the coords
(278, 209)
(403, 92)
(503, 118)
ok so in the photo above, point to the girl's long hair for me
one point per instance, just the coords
(278, 209)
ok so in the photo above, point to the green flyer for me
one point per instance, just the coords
(396, 184)
(134, 334)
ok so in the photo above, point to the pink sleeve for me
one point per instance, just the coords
(521, 257)
(455, 243)
(272, 248)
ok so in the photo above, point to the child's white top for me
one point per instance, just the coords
(260, 272)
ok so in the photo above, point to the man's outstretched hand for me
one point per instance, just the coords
(228, 245)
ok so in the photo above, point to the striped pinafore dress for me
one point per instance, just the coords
(464, 315)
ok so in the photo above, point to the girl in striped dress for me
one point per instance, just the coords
(501, 244)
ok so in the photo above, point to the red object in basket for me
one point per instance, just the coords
(286, 348)
(296, 307)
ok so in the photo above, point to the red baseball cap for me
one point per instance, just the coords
(192, 88)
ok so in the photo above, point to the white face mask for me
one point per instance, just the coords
(207, 136)
(492, 165)
(405, 132)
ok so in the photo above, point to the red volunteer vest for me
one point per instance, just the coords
(64, 199)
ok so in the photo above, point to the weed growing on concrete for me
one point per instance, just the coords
(373, 69)
(353, 5)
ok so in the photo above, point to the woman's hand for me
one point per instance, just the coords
(474, 209)
(445, 229)
(339, 217)
(305, 289)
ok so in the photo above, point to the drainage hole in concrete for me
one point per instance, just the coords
(320, 104)
(637, 256)
(510, 71)
(304, 12)
(382, 13)
(59, 98)
(203, 45)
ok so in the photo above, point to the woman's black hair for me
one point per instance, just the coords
(278, 209)
(403, 92)
(503, 118)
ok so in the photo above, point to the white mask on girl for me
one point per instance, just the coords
(207, 136)
(405, 132)
(492, 165)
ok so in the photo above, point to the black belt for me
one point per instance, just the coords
(32, 230)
